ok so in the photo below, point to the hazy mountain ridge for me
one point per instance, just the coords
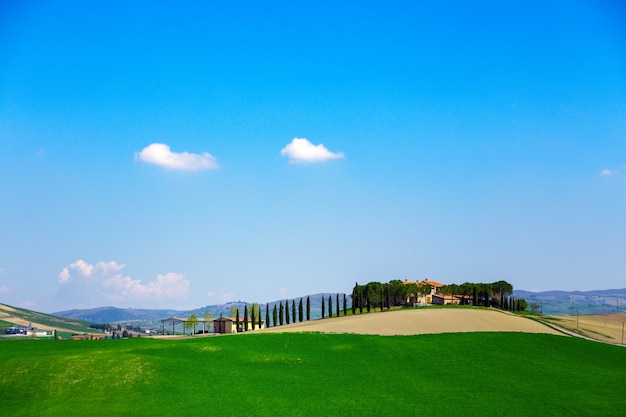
(558, 302)
(112, 314)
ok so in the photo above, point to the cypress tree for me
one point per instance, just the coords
(360, 303)
(281, 314)
(300, 311)
(236, 319)
(367, 301)
(337, 302)
(387, 298)
(245, 318)
(286, 311)
(323, 307)
(345, 305)
(354, 300)
(330, 306)
(293, 311)
(274, 316)
(308, 308)
(253, 317)
(260, 319)
(267, 315)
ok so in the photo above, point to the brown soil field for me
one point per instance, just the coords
(604, 327)
(421, 321)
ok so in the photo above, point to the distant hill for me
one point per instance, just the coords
(116, 315)
(151, 318)
(11, 316)
(581, 302)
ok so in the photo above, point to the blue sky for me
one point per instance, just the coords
(178, 155)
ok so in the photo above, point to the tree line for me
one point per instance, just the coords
(497, 294)
(373, 295)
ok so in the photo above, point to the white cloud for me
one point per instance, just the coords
(228, 296)
(607, 172)
(103, 282)
(301, 150)
(160, 154)
(282, 291)
(4, 289)
(28, 304)
(171, 285)
(86, 270)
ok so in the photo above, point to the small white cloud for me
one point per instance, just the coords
(4, 289)
(104, 282)
(170, 285)
(85, 270)
(228, 296)
(160, 154)
(28, 304)
(210, 294)
(301, 150)
(282, 291)
(607, 172)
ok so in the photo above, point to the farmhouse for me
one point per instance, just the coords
(423, 299)
(230, 325)
(220, 325)
(441, 299)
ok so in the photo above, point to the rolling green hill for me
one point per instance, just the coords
(11, 316)
(295, 374)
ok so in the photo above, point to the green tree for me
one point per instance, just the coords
(360, 297)
(323, 307)
(191, 323)
(281, 314)
(274, 316)
(233, 310)
(308, 308)
(253, 317)
(267, 315)
(286, 311)
(208, 318)
(245, 318)
(237, 319)
(337, 303)
(387, 296)
(397, 292)
(521, 304)
(293, 311)
(345, 305)
(330, 306)
(501, 289)
(300, 311)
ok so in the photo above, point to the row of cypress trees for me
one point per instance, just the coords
(283, 313)
(286, 312)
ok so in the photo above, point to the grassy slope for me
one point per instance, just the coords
(9, 313)
(315, 374)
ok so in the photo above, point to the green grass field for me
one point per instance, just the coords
(470, 374)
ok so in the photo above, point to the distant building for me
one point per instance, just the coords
(423, 299)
